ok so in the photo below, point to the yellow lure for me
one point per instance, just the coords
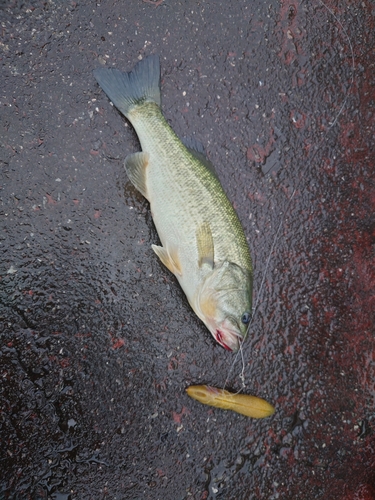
(251, 406)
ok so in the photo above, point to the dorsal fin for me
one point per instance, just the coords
(205, 245)
(196, 148)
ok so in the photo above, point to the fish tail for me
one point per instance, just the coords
(127, 90)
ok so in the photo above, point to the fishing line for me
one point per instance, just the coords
(277, 236)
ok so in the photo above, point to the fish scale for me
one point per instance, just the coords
(203, 242)
(176, 187)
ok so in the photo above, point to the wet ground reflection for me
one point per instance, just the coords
(97, 340)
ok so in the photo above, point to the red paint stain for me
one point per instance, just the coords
(177, 417)
(82, 335)
(298, 118)
(116, 342)
(50, 200)
(363, 492)
(290, 33)
(258, 153)
(173, 364)
(64, 362)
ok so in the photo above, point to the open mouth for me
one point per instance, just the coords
(230, 341)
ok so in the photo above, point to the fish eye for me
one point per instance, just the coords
(245, 318)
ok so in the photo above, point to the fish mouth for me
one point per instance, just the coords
(229, 340)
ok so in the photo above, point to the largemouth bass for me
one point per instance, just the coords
(202, 241)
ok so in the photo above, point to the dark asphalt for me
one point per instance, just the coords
(97, 341)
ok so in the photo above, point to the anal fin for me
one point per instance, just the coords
(136, 168)
(169, 258)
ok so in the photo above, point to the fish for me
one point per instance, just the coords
(251, 406)
(202, 241)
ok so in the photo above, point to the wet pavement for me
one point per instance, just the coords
(98, 342)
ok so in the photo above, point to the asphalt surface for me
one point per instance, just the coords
(97, 341)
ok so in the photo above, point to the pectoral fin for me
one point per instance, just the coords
(205, 245)
(136, 168)
(169, 259)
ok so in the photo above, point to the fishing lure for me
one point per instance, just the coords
(251, 406)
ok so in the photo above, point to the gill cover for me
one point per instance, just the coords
(222, 302)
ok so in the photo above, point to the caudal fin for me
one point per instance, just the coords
(127, 90)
